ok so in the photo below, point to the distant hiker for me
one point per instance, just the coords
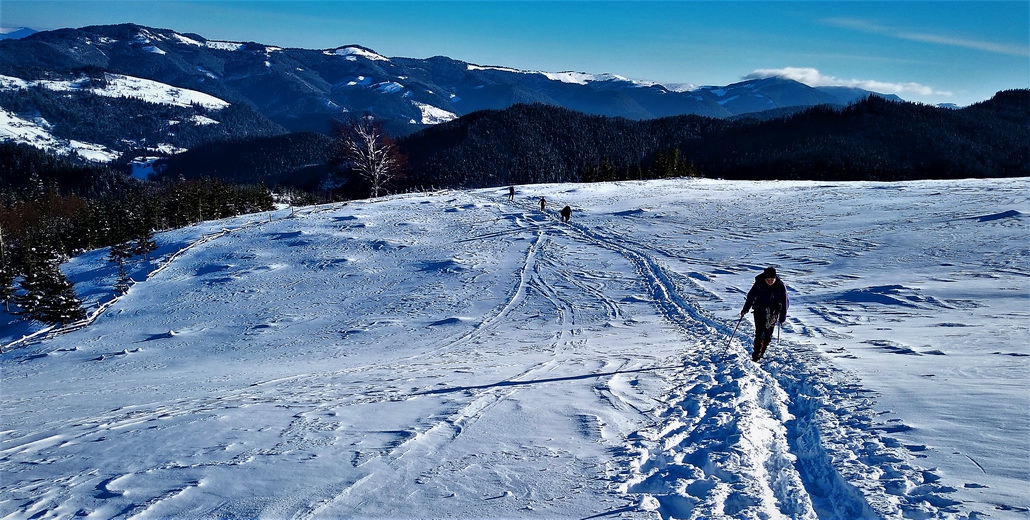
(566, 214)
(542, 203)
(511, 193)
(768, 296)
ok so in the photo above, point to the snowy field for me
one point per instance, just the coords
(457, 355)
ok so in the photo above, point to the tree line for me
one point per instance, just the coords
(872, 139)
(876, 139)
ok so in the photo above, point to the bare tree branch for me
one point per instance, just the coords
(371, 152)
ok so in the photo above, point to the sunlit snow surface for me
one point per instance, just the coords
(457, 355)
(122, 86)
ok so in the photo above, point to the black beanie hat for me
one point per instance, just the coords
(770, 272)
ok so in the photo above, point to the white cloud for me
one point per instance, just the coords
(997, 48)
(859, 24)
(813, 78)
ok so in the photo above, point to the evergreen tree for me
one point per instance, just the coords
(48, 295)
(124, 281)
(141, 222)
(670, 163)
(7, 274)
(144, 244)
(118, 254)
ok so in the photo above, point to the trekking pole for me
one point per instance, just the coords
(734, 331)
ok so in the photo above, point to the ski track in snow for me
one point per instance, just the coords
(684, 426)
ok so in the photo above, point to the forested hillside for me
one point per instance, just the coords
(875, 139)
(540, 143)
(25, 170)
(129, 125)
(298, 160)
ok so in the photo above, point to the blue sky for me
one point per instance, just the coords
(932, 52)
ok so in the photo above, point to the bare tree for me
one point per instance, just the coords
(369, 151)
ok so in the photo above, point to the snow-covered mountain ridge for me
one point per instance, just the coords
(454, 354)
(302, 89)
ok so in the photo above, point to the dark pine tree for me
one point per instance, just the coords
(7, 274)
(117, 255)
(48, 295)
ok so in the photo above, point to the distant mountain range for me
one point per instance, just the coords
(14, 33)
(165, 91)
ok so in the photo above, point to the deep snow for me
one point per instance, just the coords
(454, 354)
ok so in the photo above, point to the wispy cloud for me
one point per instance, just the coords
(859, 24)
(813, 78)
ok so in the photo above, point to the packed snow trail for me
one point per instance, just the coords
(752, 470)
(722, 449)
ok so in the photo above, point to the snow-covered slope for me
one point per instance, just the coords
(37, 132)
(120, 85)
(457, 355)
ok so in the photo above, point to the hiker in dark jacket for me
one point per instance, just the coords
(768, 297)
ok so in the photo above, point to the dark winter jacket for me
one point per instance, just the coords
(764, 296)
